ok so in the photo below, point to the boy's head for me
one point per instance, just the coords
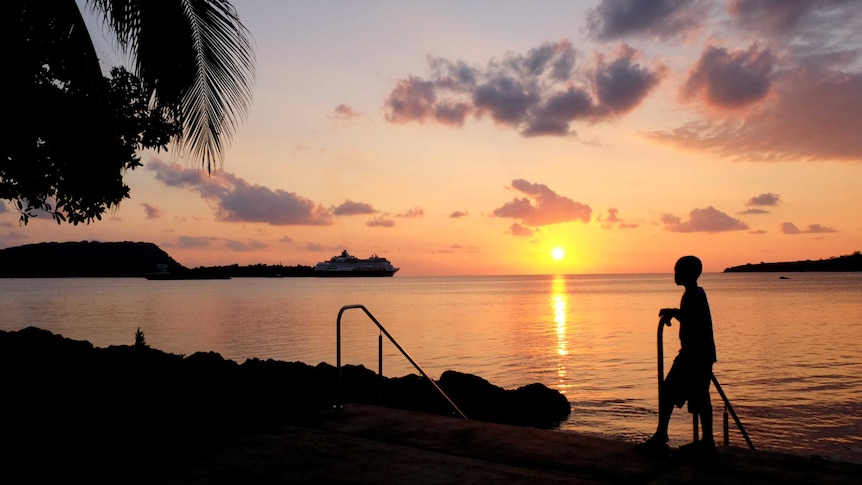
(687, 270)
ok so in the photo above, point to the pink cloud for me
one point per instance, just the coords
(345, 112)
(709, 219)
(382, 221)
(791, 229)
(814, 116)
(236, 200)
(542, 206)
(517, 229)
(412, 212)
(152, 211)
(350, 208)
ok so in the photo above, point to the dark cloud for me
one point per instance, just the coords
(243, 246)
(549, 207)
(236, 200)
(412, 212)
(790, 228)
(285, 239)
(382, 221)
(411, 100)
(152, 211)
(728, 79)
(767, 199)
(793, 17)
(350, 208)
(193, 242)
(709, 219)
(662, 19)
(537, 93)
(621, 84)
(458, 214)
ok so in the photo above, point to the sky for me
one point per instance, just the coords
(474, 138)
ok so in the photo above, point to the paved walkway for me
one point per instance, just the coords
(365, 444)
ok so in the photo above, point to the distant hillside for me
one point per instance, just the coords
(851, 262)
(84, 259)
(117, 259)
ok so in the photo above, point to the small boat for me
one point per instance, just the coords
(783, 278)
(347, 265)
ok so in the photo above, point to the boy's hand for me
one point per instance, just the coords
(666, 314)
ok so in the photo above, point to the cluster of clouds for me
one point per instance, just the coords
(789, 86)
(538, 93)
(540, 206)
(534, 206)
(234, 199)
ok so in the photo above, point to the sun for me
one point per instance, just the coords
(558, 253)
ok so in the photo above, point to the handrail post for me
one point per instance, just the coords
(727, 405)
(380, 339)
(380, 367)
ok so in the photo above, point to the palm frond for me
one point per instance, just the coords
(197, 60)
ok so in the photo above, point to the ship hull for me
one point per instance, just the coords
(353, 273)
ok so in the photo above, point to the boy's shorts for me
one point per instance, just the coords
(688, 381)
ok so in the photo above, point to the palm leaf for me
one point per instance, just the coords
(196, 59)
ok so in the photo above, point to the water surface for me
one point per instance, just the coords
(789, 350)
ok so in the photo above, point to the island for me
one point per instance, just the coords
(850, 262)
(126, 259)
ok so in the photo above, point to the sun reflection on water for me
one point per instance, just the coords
(560, 306)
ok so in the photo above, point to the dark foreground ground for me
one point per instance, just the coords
(363, 444)
(69, 410)
(72, 413)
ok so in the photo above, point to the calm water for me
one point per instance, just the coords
(790, 351)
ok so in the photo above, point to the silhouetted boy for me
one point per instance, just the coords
(689, 377)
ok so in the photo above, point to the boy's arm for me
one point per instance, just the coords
(665, 315)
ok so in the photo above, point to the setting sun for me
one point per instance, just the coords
(558, 253)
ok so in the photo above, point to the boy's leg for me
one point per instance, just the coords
(705, 413)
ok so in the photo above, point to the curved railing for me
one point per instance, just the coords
(380, 355)
(727, 406)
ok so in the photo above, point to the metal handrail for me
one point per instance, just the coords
(380, 356)
(727, 405)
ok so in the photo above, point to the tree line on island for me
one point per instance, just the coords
(850, 262)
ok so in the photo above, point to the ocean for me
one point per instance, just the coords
(789, 350)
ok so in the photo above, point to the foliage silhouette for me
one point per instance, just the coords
(75, 132)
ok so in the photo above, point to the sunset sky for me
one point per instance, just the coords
(475, 137)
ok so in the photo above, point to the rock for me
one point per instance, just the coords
(75, 405)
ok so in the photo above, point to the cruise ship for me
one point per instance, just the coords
(348, 265)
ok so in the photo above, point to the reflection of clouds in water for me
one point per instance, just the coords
(560, 305)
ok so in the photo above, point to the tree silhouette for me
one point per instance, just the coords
(73, 132)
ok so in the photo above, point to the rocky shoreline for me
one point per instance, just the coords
(70, 409)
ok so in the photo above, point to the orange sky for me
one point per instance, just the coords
(474, 137)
